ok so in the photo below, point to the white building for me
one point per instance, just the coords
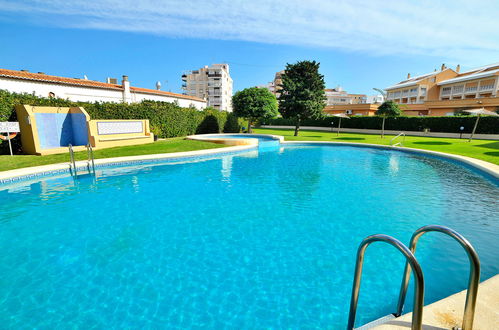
(84, 90)
(336, 96)
(213, 84)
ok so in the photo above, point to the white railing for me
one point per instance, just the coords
(487, 87)
(471, 89)
(457, 89)
(446, 91)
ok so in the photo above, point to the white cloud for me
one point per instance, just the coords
(458, 30)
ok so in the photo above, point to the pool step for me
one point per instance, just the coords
(375, 323)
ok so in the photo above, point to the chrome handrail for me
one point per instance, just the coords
(417, 315)
(72, 160)
(474, 280)
(90, 157)
(400, 143)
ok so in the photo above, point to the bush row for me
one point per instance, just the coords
(487, 125)
(166, 119)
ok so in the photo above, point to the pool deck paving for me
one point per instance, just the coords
(448, 312)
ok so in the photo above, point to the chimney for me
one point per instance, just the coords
(158, 85)
(408, 75)
(458, 68)
(443, 67)
(127, 97)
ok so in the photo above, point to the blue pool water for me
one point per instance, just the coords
(245, 241)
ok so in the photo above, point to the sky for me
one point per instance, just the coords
(360, 44)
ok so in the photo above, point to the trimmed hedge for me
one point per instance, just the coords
(487, 125)
(166, 119)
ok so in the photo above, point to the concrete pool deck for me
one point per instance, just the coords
(448, 312)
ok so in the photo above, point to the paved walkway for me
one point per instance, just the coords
(448, 313)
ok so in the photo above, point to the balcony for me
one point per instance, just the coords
(487, 87)
(446, 91)
(457, 89)
(471, 89)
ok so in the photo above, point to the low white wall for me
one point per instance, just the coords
(378, 131)
(73, 93)
(89, 94)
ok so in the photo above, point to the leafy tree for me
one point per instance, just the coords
(302, 93)
(388, 109)
(254, 103)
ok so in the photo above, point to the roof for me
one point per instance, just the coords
(158, 92)
(469, 77)
(412, 81)
(482, 68)
(86, 83)
(55, 79)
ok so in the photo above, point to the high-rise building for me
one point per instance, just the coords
(213, 84)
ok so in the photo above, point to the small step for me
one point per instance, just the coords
(375, 323)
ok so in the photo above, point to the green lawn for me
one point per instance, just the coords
(8, 162)
(487, 150)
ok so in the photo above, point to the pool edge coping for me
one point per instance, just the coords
(26, 173)
(21, 174)
(487, 167)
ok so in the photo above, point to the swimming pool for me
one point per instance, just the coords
(247, 240)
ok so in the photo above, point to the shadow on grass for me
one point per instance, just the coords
(314, 136)
(491, 145)
(433, 143)
(492, 153)
(348, 138)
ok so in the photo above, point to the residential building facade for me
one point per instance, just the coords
(336, 96)
(212, 84)
(438, 93)
(85, 90)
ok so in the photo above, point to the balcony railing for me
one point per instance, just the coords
(487, 87)
(446, 91)
(457, 89)
(471, 89)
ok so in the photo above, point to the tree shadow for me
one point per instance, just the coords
(492, 153)
(433, 143)
(491, 145)
(208, 125)
(349, 138)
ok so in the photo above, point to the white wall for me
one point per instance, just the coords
(138, 97)
(87, 94)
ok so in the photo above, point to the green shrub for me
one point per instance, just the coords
(166, 119)
(448, 124)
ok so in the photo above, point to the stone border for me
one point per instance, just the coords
(488, 168)
(219, 138)
(387, 132)
(28, 173)
(238, 145)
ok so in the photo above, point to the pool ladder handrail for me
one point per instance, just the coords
(417, 315)
(90, 160)
(398, 143)
(72, 163)
(474, 279)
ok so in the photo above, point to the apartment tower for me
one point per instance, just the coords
(213, 84)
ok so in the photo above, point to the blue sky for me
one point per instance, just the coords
(360, 44)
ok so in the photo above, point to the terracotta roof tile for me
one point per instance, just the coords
(56, 79)
(158, 92)
(87, 83)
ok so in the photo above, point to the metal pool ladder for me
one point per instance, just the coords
(90, 160)
(417, 315)
(474, 278)
(412, 264)
(401, 143)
